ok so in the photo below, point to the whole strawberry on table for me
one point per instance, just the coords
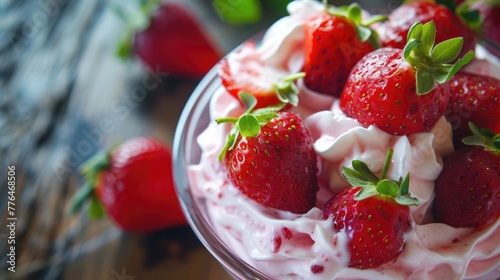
(168, 39)
(132, 184)
(488, 30)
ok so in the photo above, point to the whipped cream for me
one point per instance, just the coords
(304, 246)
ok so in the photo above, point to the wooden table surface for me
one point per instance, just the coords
(64, 95)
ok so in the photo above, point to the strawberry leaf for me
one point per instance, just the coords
(355, 178)
(136, 20)
(431, 62)
(248, 125)
(265, 117)
(366, 193)
(406, 200)
(405, 185)
(286, 89)
(96, 211)
(363, 33)
(388, 188)
(496, 144)
(428, 38)
(364, 171)
(483, 137)
(248, 100)
(425, 82)
(471, 17)
(447, 50)
(412, 44)
(287, 93)
(415, 31)
(353, 12)
(450, 4)
(230, 142)
(85, 192)
(448, 71)
(361, 176)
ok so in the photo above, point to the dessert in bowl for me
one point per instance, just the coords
(255, 240)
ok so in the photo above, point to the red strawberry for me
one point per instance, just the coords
(270, 158)
(489, 29)
(133, 185)
(245, 71)
(473, 98)
(448, 24)
(174, 42)
(374, 214)
(395, 89)
(468, 188)
(335, 40)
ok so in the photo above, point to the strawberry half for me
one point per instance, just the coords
(270, 158)
(395, 89)
(468, 188)
(473, 98)
(449, 25)
(374, 214)
(133, 185)
(245, 71)
(336, 39)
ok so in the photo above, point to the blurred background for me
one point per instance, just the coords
(72, 83)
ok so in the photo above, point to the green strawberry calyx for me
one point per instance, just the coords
(286, 89)
(353, 12)
(361, 176)
(483, 137)
(470, 17)
(248, 124)
(432, 62)
(137, 20)
(91, 170)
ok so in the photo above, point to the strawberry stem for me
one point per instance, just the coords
(91, 170)
(294, 77)
(226, 120)
(370, 185)
(387, 163)
(353, 13)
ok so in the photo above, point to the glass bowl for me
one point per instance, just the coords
(193, 121)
